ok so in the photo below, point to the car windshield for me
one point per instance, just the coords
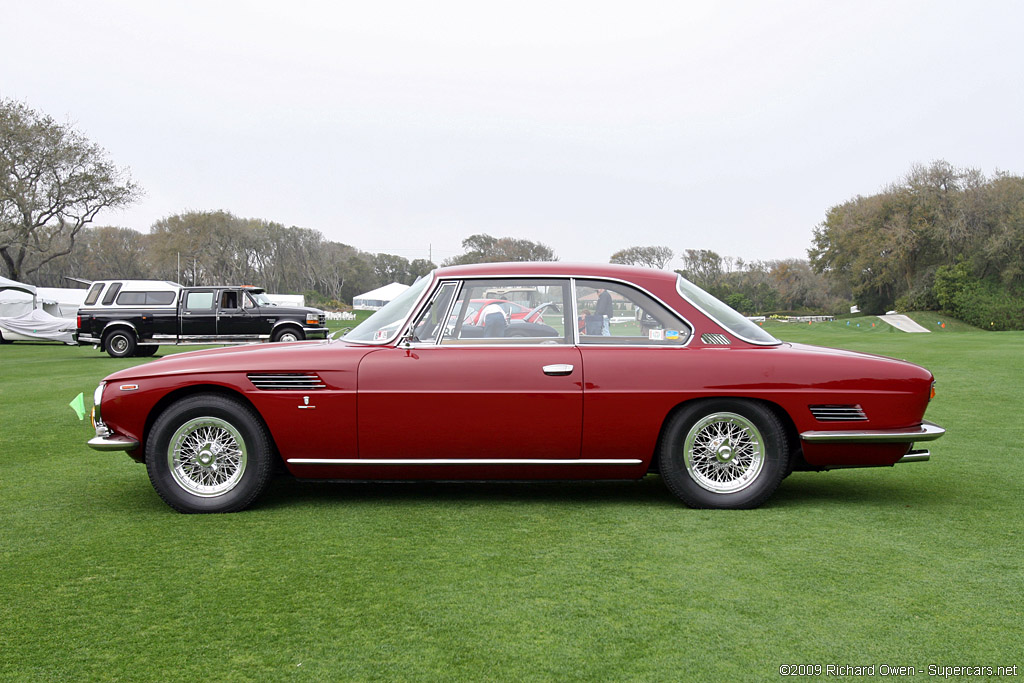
(723, 315)
(383, 325)
(261, 299)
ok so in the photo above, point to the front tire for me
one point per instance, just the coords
(120, 343)
(724, 453)
(209, 453)
(288, 334)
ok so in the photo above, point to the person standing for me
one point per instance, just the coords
(604, 310)
(494, 320)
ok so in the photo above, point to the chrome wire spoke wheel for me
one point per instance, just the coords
(207, 456)
(724, 452)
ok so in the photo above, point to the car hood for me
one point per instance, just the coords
(280, 357)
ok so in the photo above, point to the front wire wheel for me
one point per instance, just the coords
(209, 453)
(724, 453)
(207, 456)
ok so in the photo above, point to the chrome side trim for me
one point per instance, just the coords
(928, 431)
(460, 461)
(112, 443)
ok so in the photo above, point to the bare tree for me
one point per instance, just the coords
(483, 248)
(53, 182)
(650, 257)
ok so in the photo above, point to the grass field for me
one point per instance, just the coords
(916, 565)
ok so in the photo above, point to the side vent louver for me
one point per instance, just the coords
(718, 339)
(838, 413)
(299, 381)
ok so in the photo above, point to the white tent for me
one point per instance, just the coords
(288, 299)
(371, 301)
(17, 298)
(30, 313)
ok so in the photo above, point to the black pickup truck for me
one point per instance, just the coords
(134, 317)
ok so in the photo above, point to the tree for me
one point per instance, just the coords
(703, 267)
(649, 257)
(53, 182)
(486, 249)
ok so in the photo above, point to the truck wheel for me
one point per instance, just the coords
(288, 334)
(145, 351)
(209, 453)
(119, 343)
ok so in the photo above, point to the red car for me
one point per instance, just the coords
(676, 384)
(511, 309)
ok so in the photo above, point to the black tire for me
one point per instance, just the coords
(288, 334)
(724, 454)
(119, 343)
(146, 350)
(209, 453)
(2, 340)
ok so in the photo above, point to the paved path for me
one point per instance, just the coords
(903, 323)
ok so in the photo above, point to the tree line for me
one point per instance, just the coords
(941, 238)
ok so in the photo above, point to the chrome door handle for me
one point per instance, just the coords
(558, 369)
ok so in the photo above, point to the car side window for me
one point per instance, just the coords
(94, 294)
(112, 291)
(229, 299)
(430, 322)
(509, 312)
(199, 301)
(619, 314)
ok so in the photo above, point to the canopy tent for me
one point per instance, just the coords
(17, 298)
(376, 299)
(29, 313)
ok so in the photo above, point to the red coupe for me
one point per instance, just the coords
(675, 383)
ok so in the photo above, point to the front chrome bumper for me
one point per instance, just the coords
(928, 431)
(113, 443)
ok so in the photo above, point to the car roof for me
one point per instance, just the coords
(555, 268)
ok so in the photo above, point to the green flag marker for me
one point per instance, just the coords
(78, 404)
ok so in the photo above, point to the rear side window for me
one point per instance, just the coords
(94, 294)
(145, 298)
(616, 313)
(199, 301)
(111, 293)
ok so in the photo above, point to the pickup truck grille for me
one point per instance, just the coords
(838, 413)
(298, 381)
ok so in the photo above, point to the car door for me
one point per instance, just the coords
(239, 317)
(447, 396)
(198, 314)
(637, 368)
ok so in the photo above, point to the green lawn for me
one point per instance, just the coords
(915, 565)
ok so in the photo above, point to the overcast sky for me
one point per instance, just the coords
(587, 126)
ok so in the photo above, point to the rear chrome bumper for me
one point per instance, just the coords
(922, 455)
(928, 431)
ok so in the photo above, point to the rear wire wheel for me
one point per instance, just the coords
(724, 453)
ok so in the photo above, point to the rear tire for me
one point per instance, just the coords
(119, 343)
(209, 453)
(145, 351)
(724, 453)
